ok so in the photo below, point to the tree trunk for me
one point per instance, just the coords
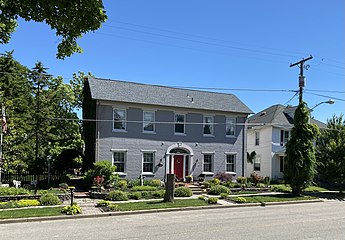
(169, 188)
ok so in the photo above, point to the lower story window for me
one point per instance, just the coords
(208, 162)
(148, 162)
(282, 162)
(230, 163)
(257, 163)
(119, 160)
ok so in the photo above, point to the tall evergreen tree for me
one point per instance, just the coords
(331, 151)
(300, 153)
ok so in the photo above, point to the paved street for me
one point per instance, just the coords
(324, 220)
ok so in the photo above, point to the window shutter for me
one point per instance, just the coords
(281, 137)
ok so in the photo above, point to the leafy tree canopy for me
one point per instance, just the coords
(331, 151)
(70, 19)
(300, 154)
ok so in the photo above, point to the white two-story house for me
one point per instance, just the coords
(267, 134)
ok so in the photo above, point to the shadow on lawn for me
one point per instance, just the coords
(327, 195)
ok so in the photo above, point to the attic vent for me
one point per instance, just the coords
(262, 114)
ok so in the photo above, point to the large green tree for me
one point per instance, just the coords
(16, 99)
(55, 123)
(70, 19)
(331, 151)
(41, 113)
(300, 151)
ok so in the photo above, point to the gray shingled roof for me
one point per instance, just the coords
(114, 90)
(279, 115)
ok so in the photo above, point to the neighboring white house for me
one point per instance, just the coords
(267, 134)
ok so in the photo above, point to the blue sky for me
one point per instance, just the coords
(209, 44)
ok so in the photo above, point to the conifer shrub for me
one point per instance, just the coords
(49, 199)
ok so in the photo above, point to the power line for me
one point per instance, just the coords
(329, 97)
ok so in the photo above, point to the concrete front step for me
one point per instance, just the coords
(81, 194)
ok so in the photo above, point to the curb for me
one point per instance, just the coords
(109, 214)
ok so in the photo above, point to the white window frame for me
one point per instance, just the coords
(143, 162)
(182, 123)
(124, 151)
(212, 163)
(228, 125)
(124, 121)
(211, 125)
(257, 138)
(286, 138)
(148, 122)
(233, 164)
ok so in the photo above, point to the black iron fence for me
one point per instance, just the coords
(27, 178)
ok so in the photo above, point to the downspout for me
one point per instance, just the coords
(244, 145)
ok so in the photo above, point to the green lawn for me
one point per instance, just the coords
(159, 204)
(315, 189)
(244, 192)
(274, 198)
(31, 212)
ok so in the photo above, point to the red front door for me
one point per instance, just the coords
(178, 166)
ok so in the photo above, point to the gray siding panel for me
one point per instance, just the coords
(134, 140)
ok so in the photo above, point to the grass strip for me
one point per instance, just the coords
(274, 198)
(179, 203)
(30, 212)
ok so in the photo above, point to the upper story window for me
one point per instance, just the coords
(284, 137)
(230, 164)
(149, 121)
(148, 162)
(119, 117)
(208, 163)
(257, 138)
(179, 123)
(230, 127)
(208, 125)
(119, 160)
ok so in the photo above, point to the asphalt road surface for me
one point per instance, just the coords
(324, 220)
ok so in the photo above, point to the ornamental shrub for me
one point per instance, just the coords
(183, 192)
(280, 188)
(63, 186)
(152, 182)
(214, 181)
(135, 195)
(201, 197)
(158, 194)
(242, 180)
(12, 191)
(71, 210)
(103, 169)
(28, 203)
(49, 199)
(218, 189)
(224, 195)
(122, 184)
(117, 195)
(113, 207)
(102, 203)
(144, 188)
(231, 184)
(133, 182)
(212, 200)
(223, 177)
(240, 200)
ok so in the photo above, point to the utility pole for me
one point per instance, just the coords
(301, 77)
